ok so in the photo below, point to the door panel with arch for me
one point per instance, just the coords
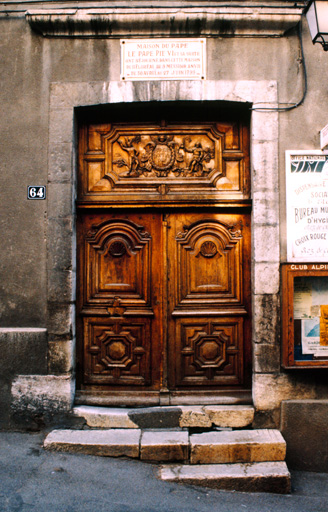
(165, 300)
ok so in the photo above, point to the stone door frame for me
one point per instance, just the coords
(61, 246)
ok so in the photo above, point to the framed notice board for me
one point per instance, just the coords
(305, 315)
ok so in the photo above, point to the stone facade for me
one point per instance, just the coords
(52, 70)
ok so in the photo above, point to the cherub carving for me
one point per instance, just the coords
(134, 164)
(200, 155)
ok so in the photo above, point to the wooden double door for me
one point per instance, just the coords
(164, 304)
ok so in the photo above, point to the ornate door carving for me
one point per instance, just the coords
(163, 306)
(208, 299)
(184, 275)
(120, 299)
(164, 163)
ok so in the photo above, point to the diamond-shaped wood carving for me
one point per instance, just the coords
(210, 352)
(117, 351)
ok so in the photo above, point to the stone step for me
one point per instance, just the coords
(223, 416)
(237, 446)
(110, 443)
(256, 477)
(162, 445)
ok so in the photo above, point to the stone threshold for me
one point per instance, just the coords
(207, 416)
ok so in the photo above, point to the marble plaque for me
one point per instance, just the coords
(163, 59)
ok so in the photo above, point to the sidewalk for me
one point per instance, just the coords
(32, 479)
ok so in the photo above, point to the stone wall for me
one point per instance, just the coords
(49, 78)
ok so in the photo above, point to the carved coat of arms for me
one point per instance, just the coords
(164, 154)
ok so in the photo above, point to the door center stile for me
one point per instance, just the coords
(164, 376)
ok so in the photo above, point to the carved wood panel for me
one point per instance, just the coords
(139, 284)
(209, 255)
(118, 259)
(209, 291)
(119, 309)
(209, 352)
(117, 351)
(164, 162)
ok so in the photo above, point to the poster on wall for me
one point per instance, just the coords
(307, 206)
(311, 314)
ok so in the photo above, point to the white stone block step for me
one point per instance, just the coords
(256, 477)
(225, 416)
(110, 443)
(104, 417)
(164, 446)
(237, 446)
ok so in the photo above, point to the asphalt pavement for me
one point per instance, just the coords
(34, 480)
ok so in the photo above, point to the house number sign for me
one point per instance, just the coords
(163, 59)
(36, 192)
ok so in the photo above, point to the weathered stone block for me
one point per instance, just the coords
(266, 243)
(265, 166)
(155, 417)
(68, 95)
(60, 200)
(304, 426)
(60, 162)
(266, 279)
(60, 247)
(265, 124)
(266, 207)
(266, 358)
(234, 416)
(107, 443)
(269, 390)
(194, 416)
(61, 356)
(266, 319)
(41, 393)
(61, 125)
(164, 446)
(256, 477)
(237, 446)
(61, 318)
(61, 285)
(105, 417)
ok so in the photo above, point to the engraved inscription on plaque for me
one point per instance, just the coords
(163, 59)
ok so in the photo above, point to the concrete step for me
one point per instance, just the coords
(256, 477)
(224, 416)
(237, 446)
